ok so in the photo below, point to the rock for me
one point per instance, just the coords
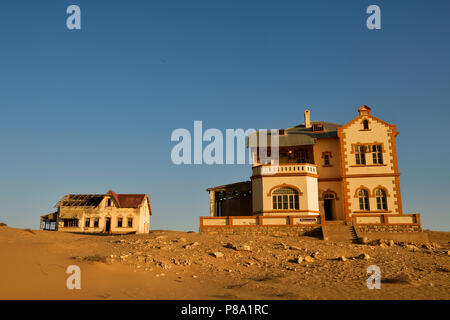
(448, 253)
(188, 246)
(383, 245)
(315, 254)
(325, 238)
(294, 248)
(364, 256)
(391, 243)
(181, 240)
(244, 248)
(309, 259)
(3, 224)
(217, 254)
(343, 258)
(364, 240)
(299, 260)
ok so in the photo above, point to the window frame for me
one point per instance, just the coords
(285, 198)
(381, 199)
(364, 199)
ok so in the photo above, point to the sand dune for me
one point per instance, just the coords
(180, 265)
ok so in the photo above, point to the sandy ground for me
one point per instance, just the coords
(180, 265)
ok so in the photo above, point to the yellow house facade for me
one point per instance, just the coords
(100, 213)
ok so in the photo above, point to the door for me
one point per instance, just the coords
(108, 225)
(328, 204)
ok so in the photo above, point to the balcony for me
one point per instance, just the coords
(297, 168)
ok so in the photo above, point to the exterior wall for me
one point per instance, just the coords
(293, 231)
(336, 188)
(264, 185)
(332, 147)
(371, 175)
(370, 184)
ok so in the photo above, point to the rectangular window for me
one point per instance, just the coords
(87, 222)
(70, 222)
(96, 223)
(274, 206)
(285, 202)
(381, 203)
(300, 156)
(377, 154)
(280, 202)
(326, 159)
(360, 154)
(119, 222)
(364, 203)
(130, 222)
(109, 202)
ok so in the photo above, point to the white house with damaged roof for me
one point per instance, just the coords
(100, 213)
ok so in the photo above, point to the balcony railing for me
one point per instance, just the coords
(267, 169)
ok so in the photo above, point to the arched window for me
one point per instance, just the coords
(366, 125)
(380, 194)
(363, 196)
(285, 198)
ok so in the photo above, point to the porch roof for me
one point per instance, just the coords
(300, 135)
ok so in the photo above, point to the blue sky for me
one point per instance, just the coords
(89, 110)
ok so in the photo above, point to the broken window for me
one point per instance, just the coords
(130, 222)
(70, 222)
(87, 222)
(119, 222)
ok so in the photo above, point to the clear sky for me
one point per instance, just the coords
(85, 111)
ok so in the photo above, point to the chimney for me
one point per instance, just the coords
(307, 119)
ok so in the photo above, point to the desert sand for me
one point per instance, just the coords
(191, 265)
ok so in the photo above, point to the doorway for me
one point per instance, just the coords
(108, 225)
(328, 204)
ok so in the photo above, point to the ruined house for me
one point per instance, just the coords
(100, 213)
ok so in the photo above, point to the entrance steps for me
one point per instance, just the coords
(339, 231)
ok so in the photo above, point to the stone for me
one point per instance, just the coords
(343, 258)
(391, 243)
(188, 246)
(364, 256)
(181, 240)
(299, 260)
(364, 240)
(309, 259)
(217, 254)
(315, 254)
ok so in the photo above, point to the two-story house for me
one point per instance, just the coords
(325, 169)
